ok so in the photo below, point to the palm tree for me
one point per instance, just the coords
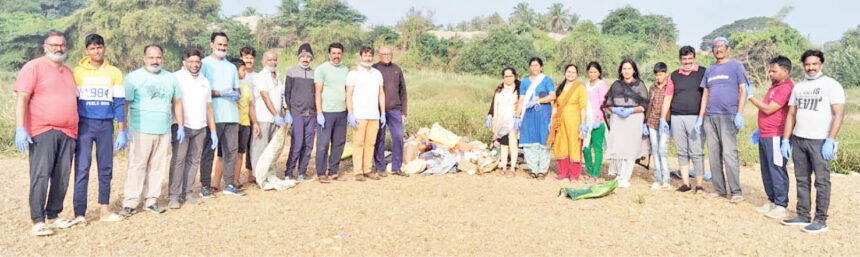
(523, 14)
(557, 18)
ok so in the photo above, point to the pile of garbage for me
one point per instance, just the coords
(437, 151)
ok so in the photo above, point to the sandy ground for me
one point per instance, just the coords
(458, 214)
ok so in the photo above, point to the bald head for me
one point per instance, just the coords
(270, 61)
(385, 54)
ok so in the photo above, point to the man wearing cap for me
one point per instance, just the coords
(394, 86)
(46, 108)
(267, 106)
(300, 111)
(723, 96)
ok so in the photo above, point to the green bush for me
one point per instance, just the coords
(502, 47)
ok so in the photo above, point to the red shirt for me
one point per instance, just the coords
(772, 125)
(53, 98)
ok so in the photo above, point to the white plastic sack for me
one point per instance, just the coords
(264, 172)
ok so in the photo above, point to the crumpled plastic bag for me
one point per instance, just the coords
(264, 172)
(593, 191)
(439, 162)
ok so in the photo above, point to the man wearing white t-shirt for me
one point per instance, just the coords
(818, 101)
(197, 111)
(268, 91)
(365, 104)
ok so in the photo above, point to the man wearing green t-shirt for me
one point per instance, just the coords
(150, 95)
(330, 84)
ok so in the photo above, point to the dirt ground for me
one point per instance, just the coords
(451, 215)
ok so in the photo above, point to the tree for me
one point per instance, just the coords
(756, 49)
(752, 24)
(841, 58)
(382, 35)
(649, 28)
(502, 47)
(337, 31)
(250, 11)
(411, 27)
(128, 26)
(523, 14)
(50, 9)
(557, 19)
(21, 37)
(317, 13)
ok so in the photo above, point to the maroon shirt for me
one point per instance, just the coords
(394, 86)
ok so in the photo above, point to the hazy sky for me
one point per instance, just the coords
(820, 20)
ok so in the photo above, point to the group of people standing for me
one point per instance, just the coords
(212, 106)
(694, 106)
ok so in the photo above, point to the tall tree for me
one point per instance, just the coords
(842, 56)
(628, 21)
(523, 14)
(316, 13)
(752, 24)
(413, 25)
(557, 18)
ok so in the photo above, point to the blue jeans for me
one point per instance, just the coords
(660, 154)
(100, 133)
(775, 178)
(394, 123)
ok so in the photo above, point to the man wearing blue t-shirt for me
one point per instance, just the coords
(224, 80)
(724, 89)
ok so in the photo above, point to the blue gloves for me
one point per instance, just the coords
(596, 125)
(754, 138)
(213, 136)
(518, 123)
(698, 127)
(288, 118)
(749, 90)
(180, 134)
(22, 139)
(489, 121)
(663, 126)
(739, 121)
(232, 94)
(622, 112)
(828, 149)
(350, 119)
(785, 148)
(321, 120)
(532, 103)
(121, 140)
(279, 121)
(583, 127)
(645, 131)
(382, 120)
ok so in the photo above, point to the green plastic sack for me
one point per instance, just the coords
(593, 191)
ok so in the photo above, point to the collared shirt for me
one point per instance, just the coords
(655, 106)
(264, 82)
(394, 86)
(53, 105)
(196, 95)
(773, 125)
(365, 95)
(222, 75)
(150, 98)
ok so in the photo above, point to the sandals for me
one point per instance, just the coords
(533, 175)
(60, 223)
(512, 173)
(541, 176)
(40, 229)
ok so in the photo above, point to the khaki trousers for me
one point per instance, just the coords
(147, 163)
(363, 141)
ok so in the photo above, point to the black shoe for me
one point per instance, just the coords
(684, 188)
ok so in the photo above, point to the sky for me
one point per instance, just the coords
(820, 20)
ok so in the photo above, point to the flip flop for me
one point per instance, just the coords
(113, 217)
(40, 229)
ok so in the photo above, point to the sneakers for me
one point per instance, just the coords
(60, 222)
(737, 199)
(173, 204)
(623, 184)
(193, 200)
(796, 221)
(765, 208)
(40, 229)
(206, 192)
(155, 208)
(655, 186)
(126, 212)
(778, 212)
(372, 175)
(684, 188)
(233, 190)
(816, 227)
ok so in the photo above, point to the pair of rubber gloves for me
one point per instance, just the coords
(353, 122)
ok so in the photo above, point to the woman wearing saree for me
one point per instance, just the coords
(627, 100)
(569, 125)
(536, 94)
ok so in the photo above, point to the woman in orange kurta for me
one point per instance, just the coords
(569, 124)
